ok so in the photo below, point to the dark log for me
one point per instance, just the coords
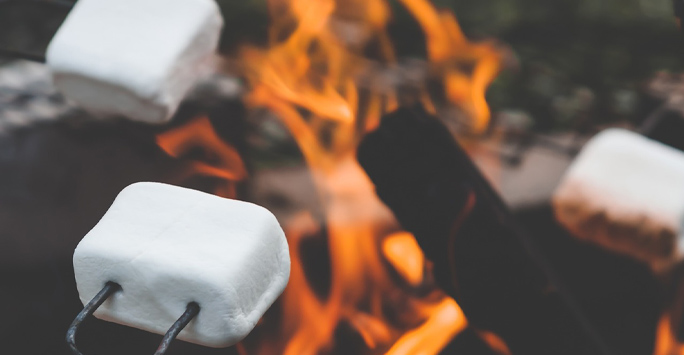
(481, 256)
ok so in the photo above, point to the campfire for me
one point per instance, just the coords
(316, 78)
(385, 173)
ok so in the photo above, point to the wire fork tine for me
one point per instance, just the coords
(191, 312)
(107, 291)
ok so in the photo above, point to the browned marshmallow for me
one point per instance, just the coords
(625, 192)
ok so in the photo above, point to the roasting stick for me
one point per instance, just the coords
(90, 308)
(111, 288)
(163, 250)
(190, 313)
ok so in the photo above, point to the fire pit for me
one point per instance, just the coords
(387, 174)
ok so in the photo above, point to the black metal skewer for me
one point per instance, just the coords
(190, 313)
(107, 291)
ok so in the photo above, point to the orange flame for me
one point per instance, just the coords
(403, 252)
(666, 343)
(355, 219)
(315, 68)
(467, 68)
(200, 134)
(293, 70)
(308, 78)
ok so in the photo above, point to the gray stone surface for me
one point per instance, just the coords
(27, 96)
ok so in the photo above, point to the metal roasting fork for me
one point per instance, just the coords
(108, 290)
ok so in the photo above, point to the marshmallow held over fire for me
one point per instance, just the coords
(626, 193)
(167, 246)
(133, 58)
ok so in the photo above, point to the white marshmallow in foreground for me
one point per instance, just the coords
(168, 246)
(133, 58)
(625, 192)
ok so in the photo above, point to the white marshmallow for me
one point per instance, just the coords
(133, 58)
(168, 246)
(626, 192)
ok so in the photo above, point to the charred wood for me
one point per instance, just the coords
(481, 256)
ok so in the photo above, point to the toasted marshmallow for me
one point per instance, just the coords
(626, 193)
(167, 246)
(133, 58)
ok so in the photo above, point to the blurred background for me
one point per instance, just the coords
(574, 58)
(572, 68)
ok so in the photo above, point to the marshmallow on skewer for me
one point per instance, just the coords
(133, 58)
(168, 246)
(626, 193)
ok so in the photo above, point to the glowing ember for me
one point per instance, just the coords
(308, 78)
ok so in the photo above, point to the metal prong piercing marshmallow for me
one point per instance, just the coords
(167, 247)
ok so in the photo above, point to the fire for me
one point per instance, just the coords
(362, 290)
(402, 250)
(450, 52)
(199, 134)
(666, 343)
(309, 78)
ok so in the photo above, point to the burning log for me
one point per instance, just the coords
(481, 257)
